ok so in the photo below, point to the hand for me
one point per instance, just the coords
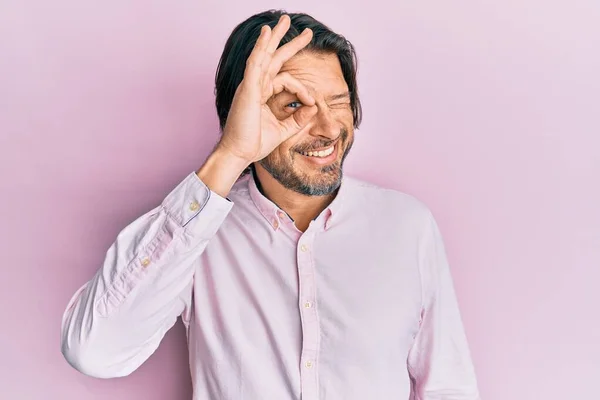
(252, 131)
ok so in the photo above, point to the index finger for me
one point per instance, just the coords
(288, 50)
(256, 58)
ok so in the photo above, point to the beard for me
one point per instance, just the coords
(319, 182)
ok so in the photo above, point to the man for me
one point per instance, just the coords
(293, 281)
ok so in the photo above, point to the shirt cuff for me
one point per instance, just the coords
(190, 197)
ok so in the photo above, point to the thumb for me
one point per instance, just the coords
(298, 120)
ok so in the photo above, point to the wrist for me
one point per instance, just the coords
(221, 170)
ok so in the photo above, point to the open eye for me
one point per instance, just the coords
(294, 105)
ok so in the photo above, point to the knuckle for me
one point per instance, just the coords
(254, 60)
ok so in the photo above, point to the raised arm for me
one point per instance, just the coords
(115, 321)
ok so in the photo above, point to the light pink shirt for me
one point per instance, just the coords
(361, 306)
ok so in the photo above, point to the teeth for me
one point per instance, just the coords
(322, 153)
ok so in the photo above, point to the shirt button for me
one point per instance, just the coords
(275, 224)
(308, 364)
(194, 206)
(308, 304)
(281, 214)
(304, 247)
(145, 262)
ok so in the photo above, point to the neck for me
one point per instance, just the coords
(301, 208)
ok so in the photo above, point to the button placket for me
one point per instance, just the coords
(310, 325)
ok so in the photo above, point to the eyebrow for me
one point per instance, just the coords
(345, 95)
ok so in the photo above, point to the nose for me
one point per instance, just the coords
(325, 125)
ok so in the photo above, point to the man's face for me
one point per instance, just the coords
(310, 162)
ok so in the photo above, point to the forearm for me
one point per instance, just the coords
(116, 320)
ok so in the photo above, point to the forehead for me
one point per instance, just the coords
(321, 73)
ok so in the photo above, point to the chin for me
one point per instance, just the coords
(309, 182)
(321, 182)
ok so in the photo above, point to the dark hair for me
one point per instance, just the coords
(232, 64)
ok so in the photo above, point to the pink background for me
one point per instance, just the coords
(489, 111)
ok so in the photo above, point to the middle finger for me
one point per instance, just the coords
(279, 32)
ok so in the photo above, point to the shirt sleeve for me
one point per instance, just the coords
(114, 322)
(439, 361)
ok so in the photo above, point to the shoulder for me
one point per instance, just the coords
(379, 201)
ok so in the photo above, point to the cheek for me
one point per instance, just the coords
(280, 155)
(284, 150)
(344, 116)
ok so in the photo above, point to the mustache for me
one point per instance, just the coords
(319, 144)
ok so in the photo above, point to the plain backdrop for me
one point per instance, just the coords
(488, 111)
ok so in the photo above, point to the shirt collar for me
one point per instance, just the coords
(275, 215)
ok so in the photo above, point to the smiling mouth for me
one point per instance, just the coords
(320, 153)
